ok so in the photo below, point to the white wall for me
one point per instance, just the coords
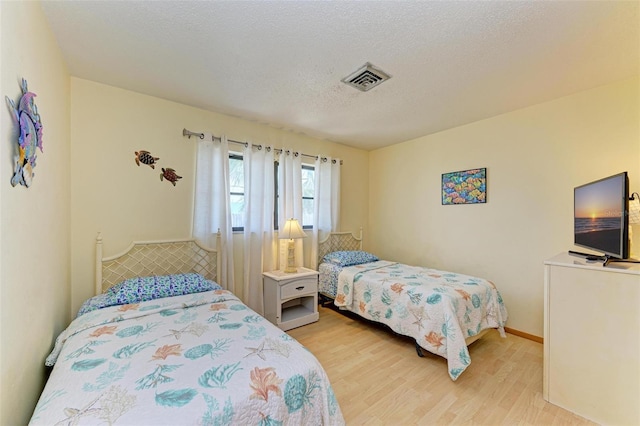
(34, 222)
(534, 158)
(111, 194)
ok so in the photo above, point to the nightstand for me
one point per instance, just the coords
(291, 299)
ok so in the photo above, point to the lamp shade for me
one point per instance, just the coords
(634, 209)
(292, 230)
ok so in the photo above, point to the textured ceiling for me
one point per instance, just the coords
(281, 62)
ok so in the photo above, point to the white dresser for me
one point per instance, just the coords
(291, 299)
(592, 339)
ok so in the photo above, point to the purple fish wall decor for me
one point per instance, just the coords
(26, 116)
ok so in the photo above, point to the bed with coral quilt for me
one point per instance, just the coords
(188, 353)
(442, 311)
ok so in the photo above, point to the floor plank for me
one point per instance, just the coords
(379, 380)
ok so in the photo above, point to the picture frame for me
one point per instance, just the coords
(464, 187)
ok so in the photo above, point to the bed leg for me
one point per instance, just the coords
(419, 350)
(323, 300)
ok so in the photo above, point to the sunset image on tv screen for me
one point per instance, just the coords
(598, 213)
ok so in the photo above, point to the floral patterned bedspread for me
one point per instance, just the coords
(202, 358)
(328, 279)
(438, 309)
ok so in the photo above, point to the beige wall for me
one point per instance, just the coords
(534, 158)
(34, 222)
(111, 194)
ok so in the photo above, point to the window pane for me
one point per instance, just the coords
(308, 190)
(237, 206)
(308, 182)
(307, 212)
(236, 175)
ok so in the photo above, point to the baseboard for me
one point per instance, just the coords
(523, 334)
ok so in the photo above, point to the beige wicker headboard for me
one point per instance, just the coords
(147, 258)
(336, 241)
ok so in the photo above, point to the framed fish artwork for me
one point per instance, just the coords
(464, 187)
(25, 116)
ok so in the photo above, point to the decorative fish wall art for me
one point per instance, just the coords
(26, 116)
(170, 175)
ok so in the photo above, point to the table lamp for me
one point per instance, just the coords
(291, 231)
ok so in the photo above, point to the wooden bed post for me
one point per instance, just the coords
(98, 286)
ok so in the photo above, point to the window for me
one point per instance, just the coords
(308, 189)
(236, 186)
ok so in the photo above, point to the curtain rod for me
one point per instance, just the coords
(189, 133)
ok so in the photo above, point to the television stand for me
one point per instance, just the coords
(615, 259)
(605, 258)
(590, 256)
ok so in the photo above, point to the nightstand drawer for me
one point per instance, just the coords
(298, 287)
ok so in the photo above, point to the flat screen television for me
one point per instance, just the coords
(601, 216)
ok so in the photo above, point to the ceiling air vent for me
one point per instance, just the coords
(366, 78)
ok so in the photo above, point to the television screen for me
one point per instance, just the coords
(601, 219)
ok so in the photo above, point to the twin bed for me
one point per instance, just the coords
(442, 311)
(164, 344)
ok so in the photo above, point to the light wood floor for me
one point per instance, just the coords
(379, 380)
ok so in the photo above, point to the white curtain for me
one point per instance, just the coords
(259, 251)
(326, 203)
(212, 210)
(290, 199)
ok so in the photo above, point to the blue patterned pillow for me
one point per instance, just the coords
(349, 258)
(141, 289)
(96, 302)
